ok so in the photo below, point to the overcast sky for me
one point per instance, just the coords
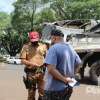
(6, 5)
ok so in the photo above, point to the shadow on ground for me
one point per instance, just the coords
(87, 81)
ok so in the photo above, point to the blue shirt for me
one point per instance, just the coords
(64, 57)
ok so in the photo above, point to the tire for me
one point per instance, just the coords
(95, 72)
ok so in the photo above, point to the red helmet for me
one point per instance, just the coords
(34, 36)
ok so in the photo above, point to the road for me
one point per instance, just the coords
(12, 87)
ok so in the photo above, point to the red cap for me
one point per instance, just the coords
(34, 36)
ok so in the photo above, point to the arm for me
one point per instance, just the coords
(57, 75)
(27, 63)
(51, 62)
(23, 57)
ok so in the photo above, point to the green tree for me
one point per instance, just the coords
(21, 20)
(77, 9)
(47, 15)
(4, 20)
(24, 18)
(11, 41)
(59, 7)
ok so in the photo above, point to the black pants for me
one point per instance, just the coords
(58, 95)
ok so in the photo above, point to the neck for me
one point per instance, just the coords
(34, 44)
(58, 41)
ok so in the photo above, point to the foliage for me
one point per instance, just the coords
(4, 20)
(47, 15)
(77, 9)
(24, 17)
(11, 41)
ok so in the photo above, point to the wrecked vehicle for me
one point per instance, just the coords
(85, 38)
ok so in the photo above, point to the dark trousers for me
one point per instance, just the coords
(58, 95)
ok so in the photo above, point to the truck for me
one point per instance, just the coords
(85, 42)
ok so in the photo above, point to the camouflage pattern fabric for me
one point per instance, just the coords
(35, 77)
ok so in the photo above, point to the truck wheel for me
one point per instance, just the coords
(95, 72)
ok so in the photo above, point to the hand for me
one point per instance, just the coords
(34, 65)
(67, 80)
(30, 67)
(37, 65)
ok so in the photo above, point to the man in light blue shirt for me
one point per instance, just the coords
(61, 62)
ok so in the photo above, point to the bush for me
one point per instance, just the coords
(2, 59)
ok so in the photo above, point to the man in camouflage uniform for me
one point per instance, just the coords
(32, 55)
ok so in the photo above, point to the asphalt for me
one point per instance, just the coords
(12, 87)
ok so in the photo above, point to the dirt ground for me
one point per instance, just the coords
(12, 87)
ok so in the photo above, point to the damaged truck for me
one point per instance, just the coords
(85, 38)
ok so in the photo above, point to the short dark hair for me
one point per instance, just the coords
(57, 32)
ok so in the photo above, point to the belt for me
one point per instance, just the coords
(35, 70)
